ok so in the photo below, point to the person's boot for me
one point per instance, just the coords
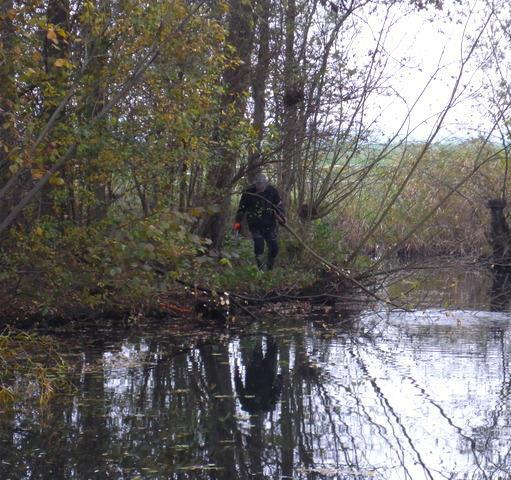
(259, 262)
(270, 262)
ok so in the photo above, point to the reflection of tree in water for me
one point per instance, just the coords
(174, 414)
(262, 386)
(485, 444)
(500, 291)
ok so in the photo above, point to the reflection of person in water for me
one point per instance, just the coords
(262, 384)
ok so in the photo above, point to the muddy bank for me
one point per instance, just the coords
(188, 302)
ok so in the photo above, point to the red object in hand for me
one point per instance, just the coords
(237, 227)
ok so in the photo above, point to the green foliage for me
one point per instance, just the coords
(328, 241)
(113, 224)
(248, 278)
(153, 100)
(113, 264)
(240, 273)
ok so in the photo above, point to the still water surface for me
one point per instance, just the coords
(388, 395)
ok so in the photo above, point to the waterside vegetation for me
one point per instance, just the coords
(128, 130)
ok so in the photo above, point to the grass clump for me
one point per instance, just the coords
(31, 368)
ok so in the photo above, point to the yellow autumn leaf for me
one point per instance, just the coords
(60, 62)
(6, 396)
(224, 7)
(52, 36)
(11, 14)
(62, 32)
(38, 173)
(39, 231)
(180, 11)
(56, 181)
(196, 211)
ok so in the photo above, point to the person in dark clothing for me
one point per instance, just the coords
(262, 204)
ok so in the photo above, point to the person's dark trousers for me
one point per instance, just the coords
(260, 236)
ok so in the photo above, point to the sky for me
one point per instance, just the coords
(426, 50)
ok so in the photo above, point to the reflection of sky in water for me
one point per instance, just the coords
(434, 379)
(420, 395)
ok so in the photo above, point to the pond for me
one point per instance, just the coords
(418, 394)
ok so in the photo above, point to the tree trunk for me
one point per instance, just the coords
(96, 55)
(233, 106)
(259, 82)
(54, 48)
(8, 96)
(293, 96)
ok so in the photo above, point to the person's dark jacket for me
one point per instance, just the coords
(260, 207)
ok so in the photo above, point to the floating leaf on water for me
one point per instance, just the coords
(191, 468)
(149, 470)
(242, 417)
(181, 447)
(37, 173)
